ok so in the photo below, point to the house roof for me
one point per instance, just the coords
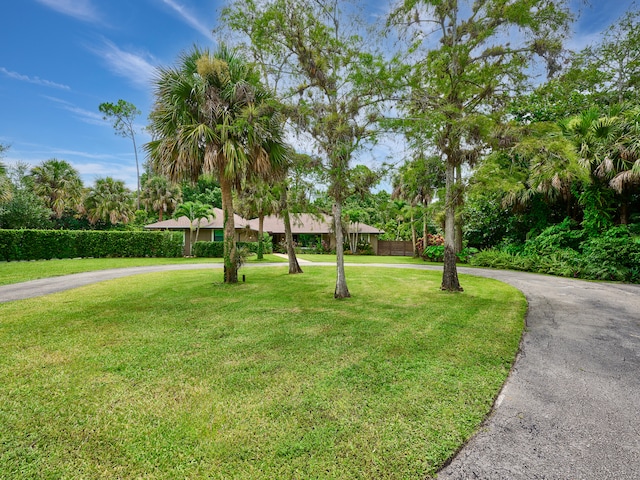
(301, 223)
(307, 223)
(205, 223)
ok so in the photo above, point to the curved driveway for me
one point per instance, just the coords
(571, 406)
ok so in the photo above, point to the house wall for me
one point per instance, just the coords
(373, 240)
(204, 235)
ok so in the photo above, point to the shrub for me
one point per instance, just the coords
(431, 240)
(615, 255)
(557, 237)
(48, 244)
(466, 253)
(216, 249)
(208, 249)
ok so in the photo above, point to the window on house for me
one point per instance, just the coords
(218, 235)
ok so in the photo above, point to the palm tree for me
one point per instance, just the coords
(213, 116)
(160, 195)
(609, 148)
(195, 212)
(108, 201)
(354, 217)
(58, 184)
(257, 200)
(626, 148)
(551, 163)
(5, 185)
(416, 183)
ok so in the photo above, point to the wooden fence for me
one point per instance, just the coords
(388, 247)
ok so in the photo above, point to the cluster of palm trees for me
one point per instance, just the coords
(580, 156)
(58, 186)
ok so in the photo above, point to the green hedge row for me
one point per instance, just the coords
(601, 258)
(216, 249)
(47, 244)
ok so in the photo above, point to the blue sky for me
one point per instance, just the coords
(61, 58)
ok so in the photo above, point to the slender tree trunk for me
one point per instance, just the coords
(357, 237)
(352, 242)
(294, 267)
(160, 212)
(425, 228)
(341, 280)
(230, 251)
(260, 233)
(450, 273)
(459, 201)
(135, 151)
(195, 239)
(191, 232)
(414, 235)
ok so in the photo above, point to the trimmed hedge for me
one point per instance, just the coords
(216, 249)
(208, 249)
(48, 244)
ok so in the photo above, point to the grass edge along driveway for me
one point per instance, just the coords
(15, 272)
(171, 375)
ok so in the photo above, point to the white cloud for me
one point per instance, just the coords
(90, 165)
(78, 9)
(34, 80)
(89, 172)
(188, 18)
(133, 66)
(86, 116)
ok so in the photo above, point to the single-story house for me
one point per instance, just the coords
(211, 229)
(306, 229)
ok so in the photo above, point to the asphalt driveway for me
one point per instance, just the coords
(571, 406)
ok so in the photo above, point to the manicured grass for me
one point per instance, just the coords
(170, 376)
(366, 259)
(14, 272)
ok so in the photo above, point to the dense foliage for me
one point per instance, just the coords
(48, 244)
(569, 252)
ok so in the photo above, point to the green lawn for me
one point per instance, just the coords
(171, 375)
(14, 272)
(365, 259)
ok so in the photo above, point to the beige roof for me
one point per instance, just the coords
(211, 222)
(316, 224)
(307, 223)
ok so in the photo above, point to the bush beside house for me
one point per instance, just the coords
(216, 249)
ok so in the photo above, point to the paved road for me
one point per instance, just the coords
(571, 406)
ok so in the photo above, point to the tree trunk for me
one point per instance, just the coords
(450, 273)
(230, 251)
(135, 151)
(459, 201)
(425, 228)
(414, 235)
(357, 238)
(260, 232)
(195, 239)
(624, 212)
(341, 280)
(294, 267)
